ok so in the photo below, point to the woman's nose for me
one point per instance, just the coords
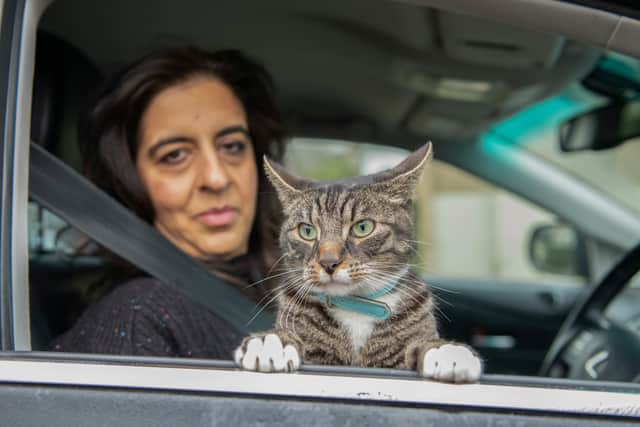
(214, 175)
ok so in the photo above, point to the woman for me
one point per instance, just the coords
(178, 137)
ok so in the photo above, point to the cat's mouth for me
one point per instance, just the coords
(340, 283)
(338, 287)
(338, 278)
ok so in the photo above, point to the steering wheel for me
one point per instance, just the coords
(592, 346)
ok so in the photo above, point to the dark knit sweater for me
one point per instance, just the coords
(146, 317)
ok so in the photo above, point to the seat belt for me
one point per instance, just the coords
(73, 198)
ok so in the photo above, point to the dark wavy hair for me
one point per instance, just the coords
(109, 131)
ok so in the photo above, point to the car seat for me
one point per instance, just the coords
(63, 79)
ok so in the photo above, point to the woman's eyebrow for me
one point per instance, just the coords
(167, 141)
(180, 139)
(233, 129)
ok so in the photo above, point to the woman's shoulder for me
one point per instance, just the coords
(147, 299)
(139, 316)
(106, 325)
(141, 289)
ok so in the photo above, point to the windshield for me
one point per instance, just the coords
(613, 171)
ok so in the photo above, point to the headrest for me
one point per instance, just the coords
(63, 79)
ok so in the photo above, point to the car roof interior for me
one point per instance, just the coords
(355, 70)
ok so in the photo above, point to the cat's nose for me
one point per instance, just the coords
(330, 264)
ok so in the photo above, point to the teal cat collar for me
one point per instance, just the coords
(361, 304)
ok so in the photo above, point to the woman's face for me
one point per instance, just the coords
(196, 161)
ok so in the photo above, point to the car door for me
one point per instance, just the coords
(72, 389)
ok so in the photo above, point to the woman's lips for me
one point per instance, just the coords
(218, 217)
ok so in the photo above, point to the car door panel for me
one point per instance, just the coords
(77, 391)
(80, 406)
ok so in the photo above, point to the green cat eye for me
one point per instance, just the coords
(307, 231)
(363, 228)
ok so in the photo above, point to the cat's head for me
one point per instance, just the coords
(349, 236)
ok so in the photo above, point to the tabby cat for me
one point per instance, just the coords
(348, 297)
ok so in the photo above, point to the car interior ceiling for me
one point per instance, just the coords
(362, 68)
(355, 73)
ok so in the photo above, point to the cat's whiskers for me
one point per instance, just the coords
(395, 264)
(435, 300)
(304, 295)
(297, 299)
(412, 293)
(420, 242)
(290, 271)
(282, 287)
(275, 263)
(411, 244)
(419, 281)
(397, 273)
(408, 284)
(409, 292)
(399, 287)
(408, 280)
(385, 278)
(285, 309)
(278, 291)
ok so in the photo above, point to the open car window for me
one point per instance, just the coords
(492, 245)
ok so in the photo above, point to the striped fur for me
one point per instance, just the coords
(398, 342)
(332, 336)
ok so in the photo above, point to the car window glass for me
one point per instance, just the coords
(612, 172)
(44, 226)
(465, 226)
(50, 234)
(474, 229)
(63, 267)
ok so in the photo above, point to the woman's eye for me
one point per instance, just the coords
(173, 157)
(234, 147)
(307, 231)
(363, 228)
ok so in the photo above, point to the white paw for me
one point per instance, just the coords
(267, 355)
(452, 363)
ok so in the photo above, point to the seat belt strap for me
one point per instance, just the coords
(73, 198)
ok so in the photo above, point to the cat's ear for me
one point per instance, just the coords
(287, 185)
(399, 183)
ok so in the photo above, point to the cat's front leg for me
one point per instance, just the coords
(272, 351)
(447, 361)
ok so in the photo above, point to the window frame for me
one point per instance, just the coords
(17, 46)
(19, 27)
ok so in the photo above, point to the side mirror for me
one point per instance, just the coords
(558, 249)
(602, 128)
